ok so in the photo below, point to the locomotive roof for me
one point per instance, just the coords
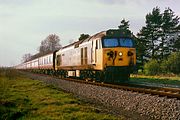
(38, 55)
(98, 35)
(109, 33)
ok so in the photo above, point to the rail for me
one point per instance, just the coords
(160, 91)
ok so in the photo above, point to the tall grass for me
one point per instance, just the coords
(5, 75)
(9, 73)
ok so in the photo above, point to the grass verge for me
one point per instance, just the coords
(23, 98)
(175, 80)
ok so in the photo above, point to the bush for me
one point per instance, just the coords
(169, 65)
(152, 67)
(165, 67)
(173, 63)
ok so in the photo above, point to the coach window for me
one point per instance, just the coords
(49, 59)
(44, 61)
(39, 61)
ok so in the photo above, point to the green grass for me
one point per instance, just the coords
(23, 98)
(171, 80)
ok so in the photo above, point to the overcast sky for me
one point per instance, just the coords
(25, 23)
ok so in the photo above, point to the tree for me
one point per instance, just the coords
(124, 25)
(50, 44)
(170, 28)
(149, 34)
(84, 36)
(159, 36)
(26, 57)
(176, 45)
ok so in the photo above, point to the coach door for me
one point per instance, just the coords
(59, 60)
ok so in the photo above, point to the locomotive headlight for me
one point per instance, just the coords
(120, 53)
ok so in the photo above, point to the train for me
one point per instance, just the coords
(108, 56)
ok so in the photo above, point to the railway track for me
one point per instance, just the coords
(160, 91)
(117, 99)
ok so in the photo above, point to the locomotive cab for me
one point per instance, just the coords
(117, 56)
(118, 52)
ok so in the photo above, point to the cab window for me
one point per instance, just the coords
(111, 42)
(126, 42)
(117, 42)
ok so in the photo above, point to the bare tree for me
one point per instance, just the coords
(50, 44)
(26, 57)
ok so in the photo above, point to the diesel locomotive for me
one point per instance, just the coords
(108, 56)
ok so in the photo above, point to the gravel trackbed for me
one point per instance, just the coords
(134, 106)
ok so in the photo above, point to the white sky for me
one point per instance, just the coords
(25, 23)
